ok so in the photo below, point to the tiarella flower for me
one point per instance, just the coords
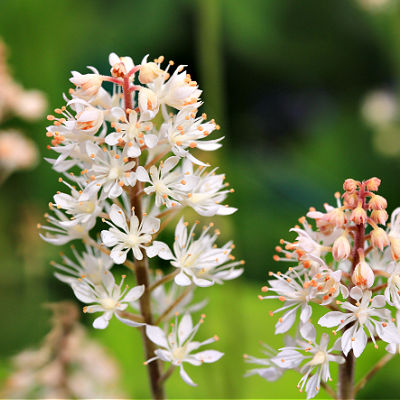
(123, 238)
(169, 186)
(92, 264)
(60, 231)
(108, 298)
(392, 291)
(120, 66)
(295, 294)
(133, 133)
(178, 346)
(88, 85)
(82, 205)
(365, 314)
(110, 170)
(186, 131)
(316, 369)
(208, 193)
(394, 234)
(148, 104)
(199, 261)
(269, 370)
(178, 91)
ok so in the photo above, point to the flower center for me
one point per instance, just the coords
(362, 315)
(115, 173)
(319, 358)
(108, 303)
(179, 353)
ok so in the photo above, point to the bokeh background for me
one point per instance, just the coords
(289, 81)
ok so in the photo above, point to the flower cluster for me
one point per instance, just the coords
(345, 261)
(129, 162)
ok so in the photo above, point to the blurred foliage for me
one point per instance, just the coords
(286, 80)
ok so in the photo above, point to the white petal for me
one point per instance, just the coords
(100, 322)
(142, 174)
(331, 319)
(117, 216)
(356, 293)
(182, 279)
(128, 321)
(209, 356)
(378, 301)
(360, 342)
(108, 238)
(150, 225)
(159, 249)
(134, 294)
(186, 377)
(156, 335)
(185, 328)
(118, 255)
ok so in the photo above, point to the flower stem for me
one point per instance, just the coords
(346, 378)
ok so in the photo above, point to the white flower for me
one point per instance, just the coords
(394, 348)
(269, 371)
(198, 260)
(295, 294)
(208, 193)
(92, 264)
(61, 232)
(123, 238)
(88, 85)
(178, 91)
(110, 170)
(120, 66)
(107, 298)
(184, 131)
(319, 357)
(82, 205)
(365, 314)
(394, 234)
(169, 186)
(177, 347)
(134, 133)
(148, 104)
(392, 291)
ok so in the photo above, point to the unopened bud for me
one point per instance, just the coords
(359, 216)
(89, 83)
(341, 248)
(373, 184)
(377, 202)
(395, 247)
(379, 216)
(350, 185)
(363, 276)
(149, 72)
(379, 238)
(336, 217)
(148, 100)
(350, 200)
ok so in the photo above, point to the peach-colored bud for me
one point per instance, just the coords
(350, 200)
(336, 217)
(148, 100)
(149, 72)
(89, 83)
(341, 248)
(359, 216)
(373, 184)
(350, 185)
(363, 276)
(377, 202)
(379, 238)
(379, 216)
(395, 247)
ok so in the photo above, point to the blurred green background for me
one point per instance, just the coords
(284, 78)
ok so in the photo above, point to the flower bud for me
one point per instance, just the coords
(336, 217)
(148, 100)
(373, 184)
(379, 216)
(379, 238)
(149, 72)
(89, 83)
(363, 276)
(377, 202)
(341, 248)
(350, 185)
(395, 247)
(350, 200)
(359, 216)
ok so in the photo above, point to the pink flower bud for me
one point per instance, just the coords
(149, 72)
(379, 216)
(359, 216)
(350, 185)
(336, 217)
(377, 202)
(341, 248)
(350, 200)
(363, 276)
(373, 184)
(379, 238)
(89, 84)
